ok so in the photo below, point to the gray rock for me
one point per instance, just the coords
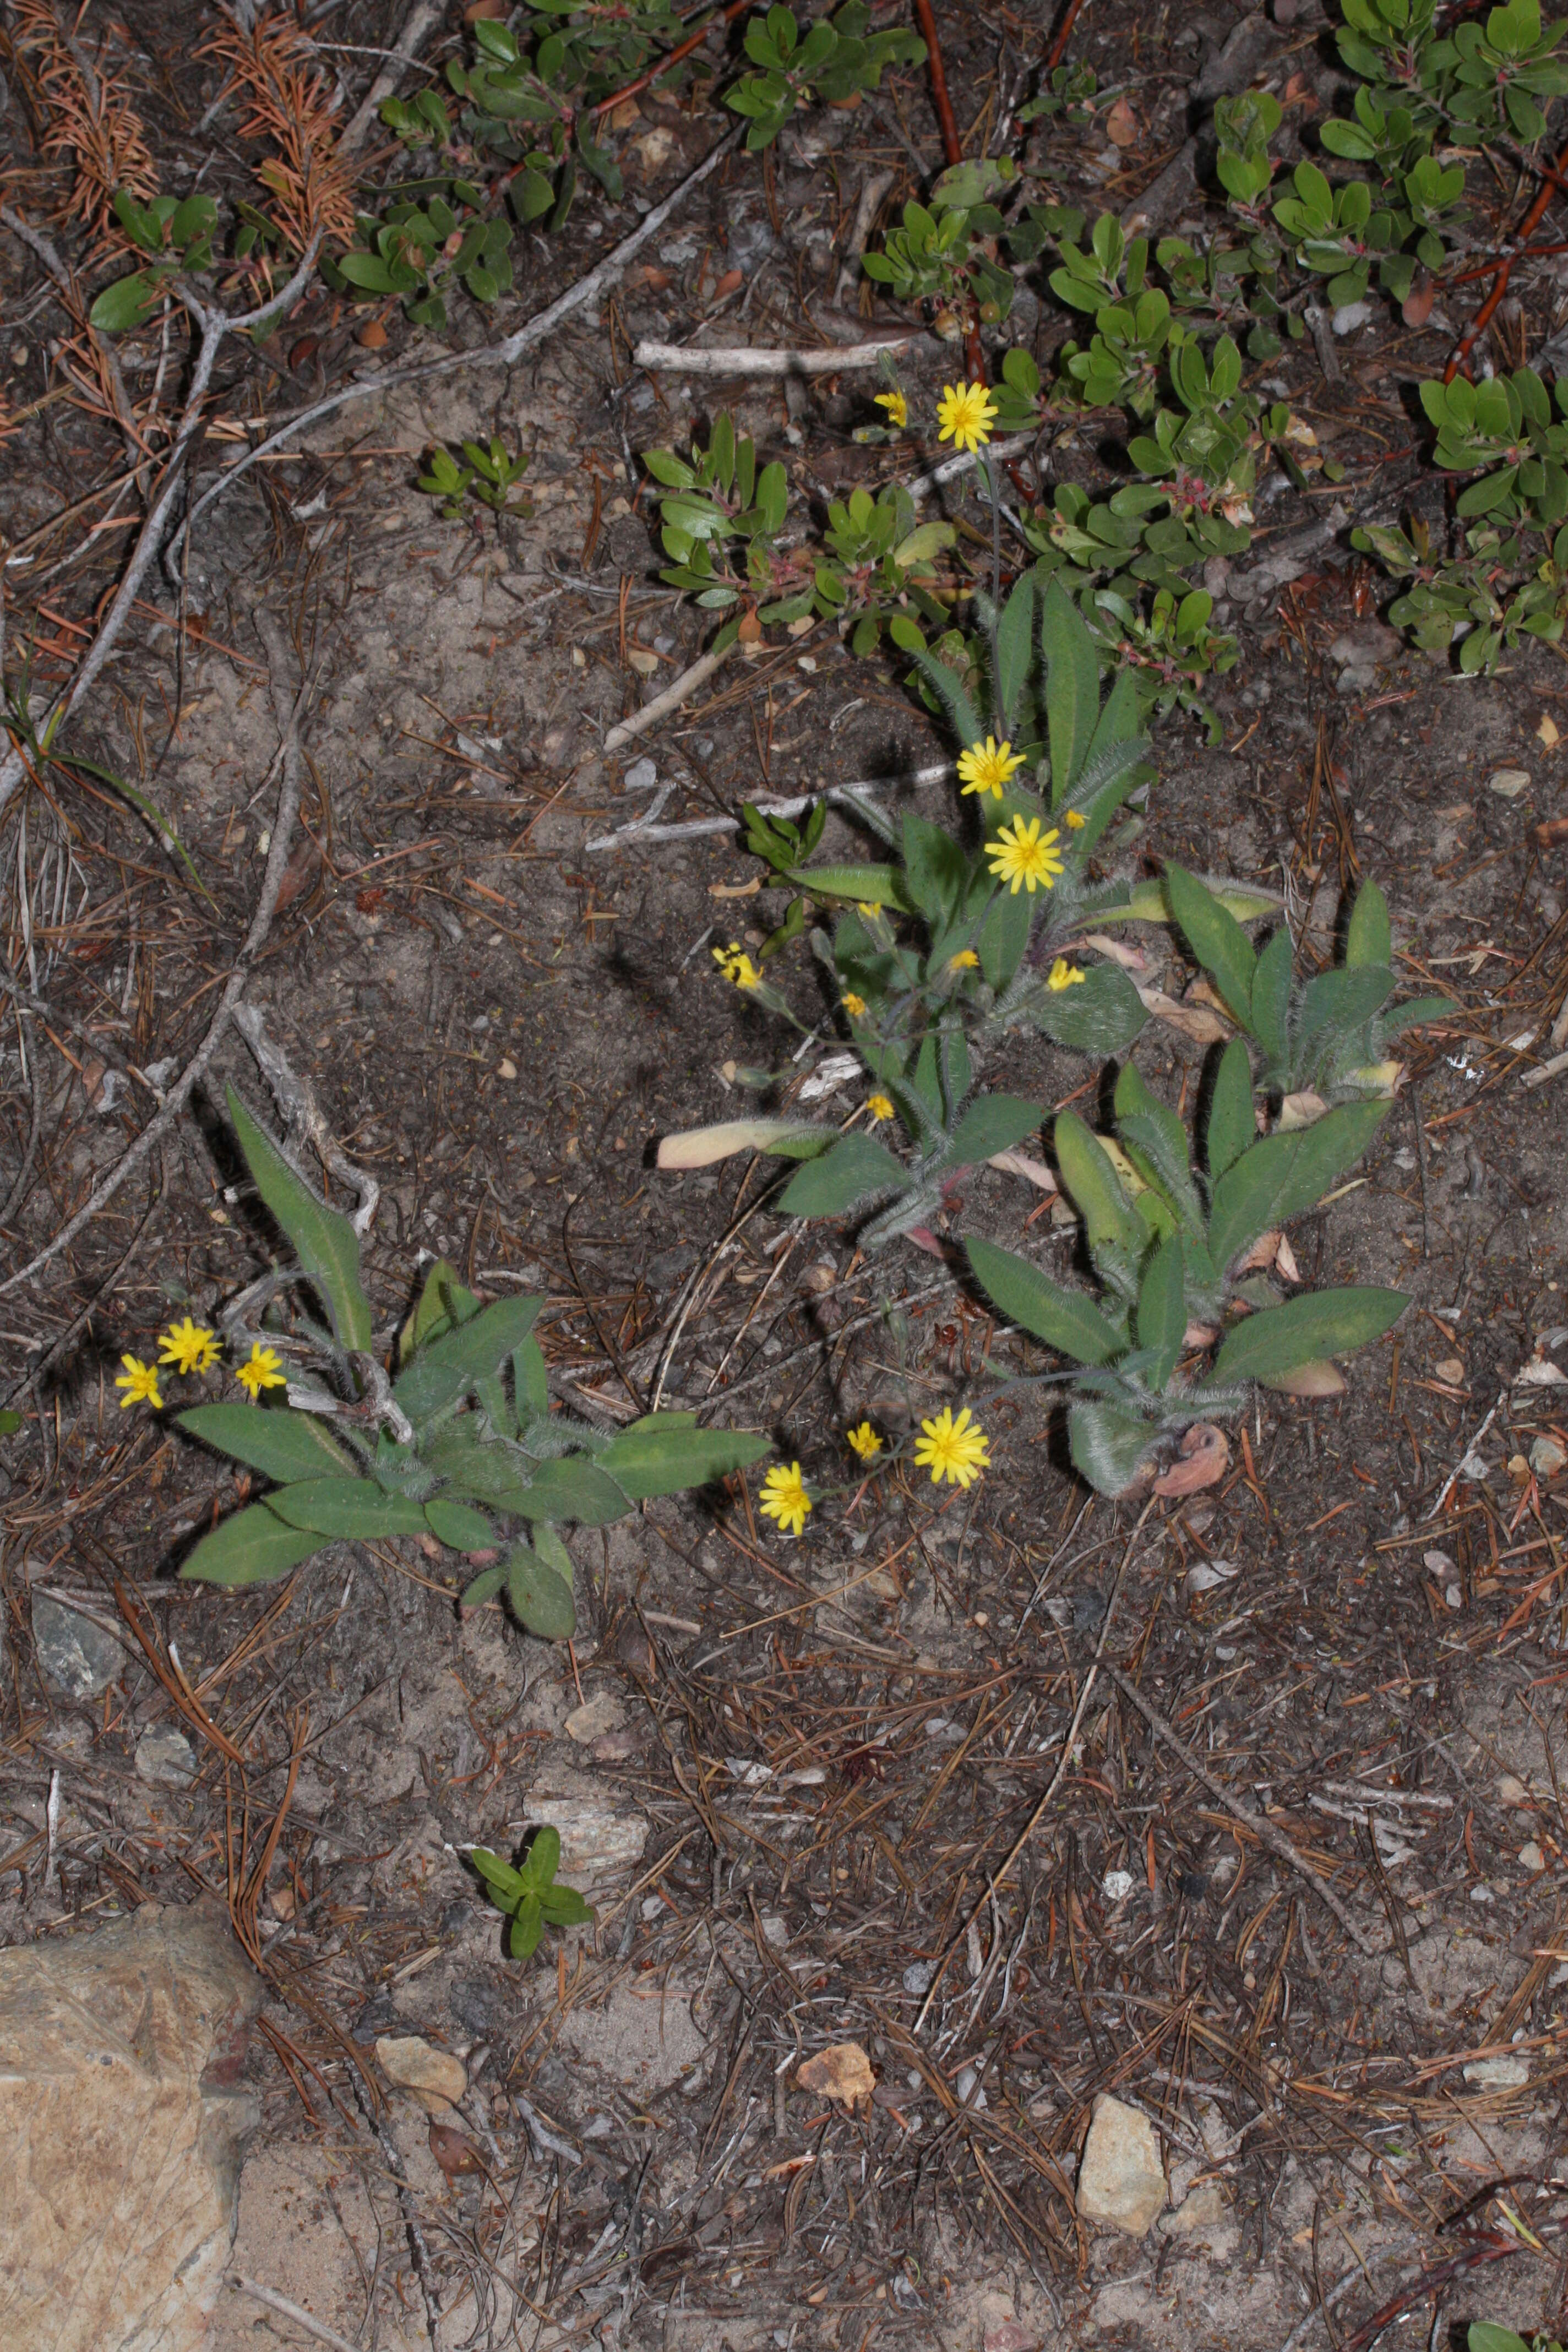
(1121, 2180)
(165, 1758)
(1203, 2208)
(77, 1655)
(122, 2121)
(1365, 644)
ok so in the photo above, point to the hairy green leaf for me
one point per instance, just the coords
(323, 1240)
(255, 1547)
(1063, 1319)
(280, 1444)
(857, 1169)
(664, 1453)
(1318, 1324)
(349, 1509)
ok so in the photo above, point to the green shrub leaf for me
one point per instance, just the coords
(349, 1509)
(664, 1454)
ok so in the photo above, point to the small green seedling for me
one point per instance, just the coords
(528, 1895)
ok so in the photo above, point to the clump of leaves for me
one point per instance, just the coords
(1486, 2336)
(1320, 1041)
(836, 58)
(528, 1895)
(489, 476)
(1176, 1250)
(460, 1444)
(950, 943)
(176, 236)
(721, 521)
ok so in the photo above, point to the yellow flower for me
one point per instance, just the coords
(1076, 820)
(785, 1498)
(952, 1449)
(879, 1106)
(188, 1347)
(965, 961)
(736, 965)
(986, 767)
(1062, 975)
(140, 1383)
(1025, 856)
(864, 1442)
(262, 1370)
(870, 908)
(854, 1005)
(897, 406)
(965, 414)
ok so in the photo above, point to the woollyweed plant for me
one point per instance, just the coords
(1320, 1041)
(529, 1895)
(459, 1443)
(944, 947)
(1170, 1246)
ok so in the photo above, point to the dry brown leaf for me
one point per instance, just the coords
(1316, 1379)
(1416, 307)
(842, 2073)
(452, 2152)
(1121, 128)
(1203, 1027)
(1203, 1458)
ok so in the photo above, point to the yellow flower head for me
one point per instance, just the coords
(736, 965)
(897, 406)
(262, 1370)
(870, 908)
(188, 1347)
(986, 767)
(1022, 855)
(952, 1449)
(965, 961)
(140, 1383)
(1076, 820)
(785, 1498)
(1061, 975)
(854, 1005)
(879, 1106)
(965, 412)
(864, 1442)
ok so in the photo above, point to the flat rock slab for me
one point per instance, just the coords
(1121, 2182)
(122, 2127)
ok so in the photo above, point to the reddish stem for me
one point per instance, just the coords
(951, 147)
(1525, 231)
(1063, 35)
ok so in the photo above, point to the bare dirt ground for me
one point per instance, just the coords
(786, 1772)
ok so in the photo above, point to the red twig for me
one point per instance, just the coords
(1064, 34)
(1525, 231)
(951, 147)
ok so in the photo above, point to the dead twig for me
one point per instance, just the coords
(417, 25)
(505, 353)
(303, 1115)
(1027, 1832)
(179, 1093)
